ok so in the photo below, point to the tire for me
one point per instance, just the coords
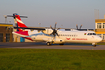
(94, 45)
(48, 43)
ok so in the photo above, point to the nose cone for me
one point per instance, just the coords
(99, 39)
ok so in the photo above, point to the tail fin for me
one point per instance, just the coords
(18, 22)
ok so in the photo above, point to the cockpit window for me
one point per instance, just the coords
(94, 33)
(91, 34)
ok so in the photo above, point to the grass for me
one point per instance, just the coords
(51, 59)
(101, 43)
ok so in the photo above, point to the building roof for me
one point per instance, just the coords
(5, 24)
(99, 20)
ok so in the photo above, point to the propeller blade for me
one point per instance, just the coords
(54, 36)
(80, 26)
(76, 26)
(57, 34)
(55, 25)
(51, 27)
(58, 28)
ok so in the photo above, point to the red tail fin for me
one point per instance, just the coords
(19, 22)
(17, 19)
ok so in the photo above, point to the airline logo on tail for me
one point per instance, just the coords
(18, 20)
(19, 23)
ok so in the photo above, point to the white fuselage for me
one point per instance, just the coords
(67, 37)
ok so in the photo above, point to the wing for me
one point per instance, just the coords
(30, 28)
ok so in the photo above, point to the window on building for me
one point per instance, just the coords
(103, 36)
(99, 25)
(99, 35)
(1, 37)
(104, 25)
(7, 37)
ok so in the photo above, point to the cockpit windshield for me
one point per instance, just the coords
(91, 34)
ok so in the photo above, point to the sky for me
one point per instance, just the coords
(67, 13)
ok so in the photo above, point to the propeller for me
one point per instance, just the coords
(54, 30)
(77, 26)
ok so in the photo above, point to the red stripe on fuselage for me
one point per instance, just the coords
(28, 38)
(22, 33)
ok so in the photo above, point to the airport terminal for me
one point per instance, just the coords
(6, 30)
(100, 28)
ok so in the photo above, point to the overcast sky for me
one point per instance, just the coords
(67, 13)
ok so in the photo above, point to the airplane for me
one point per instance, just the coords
(54, 35)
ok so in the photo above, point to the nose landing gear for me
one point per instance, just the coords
(94, 44)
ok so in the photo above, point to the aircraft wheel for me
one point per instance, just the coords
(94, 44)
(48, 43)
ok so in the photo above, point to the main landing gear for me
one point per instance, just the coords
(48, 43)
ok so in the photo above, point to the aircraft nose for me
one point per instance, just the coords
(99, 39)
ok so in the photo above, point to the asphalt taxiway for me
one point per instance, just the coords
(33, 45)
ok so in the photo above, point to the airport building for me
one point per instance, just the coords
(6, 32)
(100, 28)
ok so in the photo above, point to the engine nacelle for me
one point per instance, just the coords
(48, 31)
(58, 41)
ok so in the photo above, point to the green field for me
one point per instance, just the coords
(51, 59)
(103, 43)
